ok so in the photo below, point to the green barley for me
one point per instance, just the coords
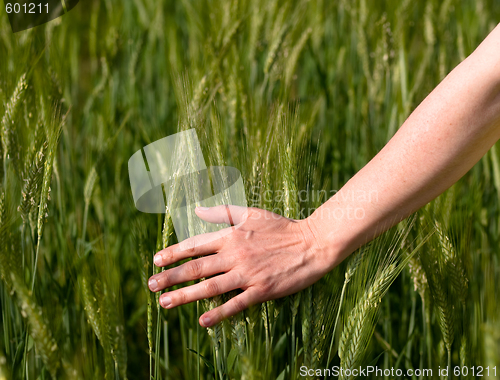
(39, 329)
(9, 135)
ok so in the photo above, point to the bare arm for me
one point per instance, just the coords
(443, 138)
(268, 256)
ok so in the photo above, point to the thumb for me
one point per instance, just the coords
(228, 214)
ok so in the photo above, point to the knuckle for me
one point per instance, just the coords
(211, 288)
(240, 254)
(238, 304)
(239, 279)
(164, 279)
(181, 297)
(168, 256)
(263, 289)
(188, 245)
(217, 314)
(194, 268)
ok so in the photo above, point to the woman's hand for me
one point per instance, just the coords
(265, 255)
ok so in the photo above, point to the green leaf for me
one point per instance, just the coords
(230, 359)
(205, 360)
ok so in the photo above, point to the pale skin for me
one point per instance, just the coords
(268, 256)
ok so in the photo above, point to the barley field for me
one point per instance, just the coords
(298, 95)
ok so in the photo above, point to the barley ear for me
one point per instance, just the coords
(39, 329)
(453, 265)
(307, 323)
(240, 338)
(294, 56)
(274, 48)
(114, 329)
(138, 231)
(417, 274)
(47, 178)
(360, 323)
(439, 292)
(90, 302)
(32, 188)
(320, 310)
(5, 267)
(54, 136)
(10, 145)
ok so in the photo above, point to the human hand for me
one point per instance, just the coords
(265, 255)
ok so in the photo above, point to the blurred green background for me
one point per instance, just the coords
(296, 95)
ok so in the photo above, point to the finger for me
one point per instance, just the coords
(204, 289)
(228, 214)
(232, 307)
(192, 270)
(195, 246)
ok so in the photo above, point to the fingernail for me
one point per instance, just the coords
(153, 284)
(158, 260)
(206, 321)
(165, 301)
(203, 208)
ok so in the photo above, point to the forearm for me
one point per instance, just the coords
(441, 140)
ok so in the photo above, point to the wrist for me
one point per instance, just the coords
(331, 250)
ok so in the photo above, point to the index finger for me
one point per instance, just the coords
(195, 246)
